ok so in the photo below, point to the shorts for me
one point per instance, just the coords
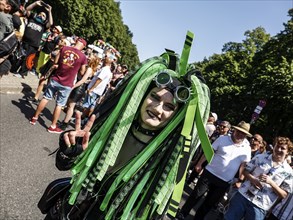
(91, 100)
(77, 93)
(61, 92)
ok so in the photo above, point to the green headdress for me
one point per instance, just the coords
(143, 187)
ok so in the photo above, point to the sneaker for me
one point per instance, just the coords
(63, 126)
(32, 72)
(18, 75)
(179, 216)
(54, 130)
(33, 120)
(33, 100)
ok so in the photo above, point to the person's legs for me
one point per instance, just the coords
(201, 187)
(216, 191)
(40, 88)
(70, 111)
(41, 107)
(56, 115)
(237, 207)
(254, 212)
(63, 93)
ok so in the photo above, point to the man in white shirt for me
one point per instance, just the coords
(97, 86)
(230, 153)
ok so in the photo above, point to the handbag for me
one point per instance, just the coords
(8, 44)
(53, 192)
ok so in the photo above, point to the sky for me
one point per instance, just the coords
(160, 24)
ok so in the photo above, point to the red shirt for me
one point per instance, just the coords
(70, 61)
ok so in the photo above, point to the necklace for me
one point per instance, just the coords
(142, 130)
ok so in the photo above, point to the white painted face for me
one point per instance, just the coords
(157, 109)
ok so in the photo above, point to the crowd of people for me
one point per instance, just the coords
(74, 71)
(254, 176)
(247, 178)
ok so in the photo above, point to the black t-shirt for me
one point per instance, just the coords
(33, 31)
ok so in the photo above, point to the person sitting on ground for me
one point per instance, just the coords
(268, 177)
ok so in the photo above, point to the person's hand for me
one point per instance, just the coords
(237, 185)
(265, 178)
(256, 183)
(198, 168)
(70, 137)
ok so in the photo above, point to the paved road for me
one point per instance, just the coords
(25, 167)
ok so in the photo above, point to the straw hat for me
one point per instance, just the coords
(243, 127)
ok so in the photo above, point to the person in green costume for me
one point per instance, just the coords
(128, 159)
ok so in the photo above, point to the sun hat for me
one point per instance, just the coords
(58, 28)
(243, 127)
(215, 116)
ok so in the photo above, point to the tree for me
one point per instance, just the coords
(93, 20)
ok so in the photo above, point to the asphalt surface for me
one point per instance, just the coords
(25, 167)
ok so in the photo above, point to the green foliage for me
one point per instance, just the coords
(258, 68)
(93, 20)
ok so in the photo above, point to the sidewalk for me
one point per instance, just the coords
(10, 84)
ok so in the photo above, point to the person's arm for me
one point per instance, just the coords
(32, 6)
(198, 166)
(277, 189)
(82, 69)
(73, 143)
(50, 20)
(84, 78)
(98, 81)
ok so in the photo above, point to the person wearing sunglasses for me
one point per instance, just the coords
(36, 26)
(255, 143)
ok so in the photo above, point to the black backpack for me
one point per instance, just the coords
(8, 44)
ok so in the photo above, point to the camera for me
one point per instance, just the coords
(44, 4)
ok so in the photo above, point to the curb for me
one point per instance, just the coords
(10, 84)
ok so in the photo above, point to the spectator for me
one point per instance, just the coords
(7, 8)
(68, 62)
(230, 152)
(79, 88)
(255, 143)
(210, 126)
(97, 86)
(268, 177)
(36, 26)
(224, 128)
(46, 71)
(49, 45)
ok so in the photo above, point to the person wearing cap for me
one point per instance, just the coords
(50, 43)
(229, 153)
(36, 26)
(97, 86)
(269, 177)
(68, 63)
(210, 126)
